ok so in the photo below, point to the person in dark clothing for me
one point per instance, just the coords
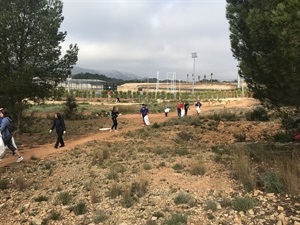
(186, 108)
(59, 125)
(114, 115)
(7, 136)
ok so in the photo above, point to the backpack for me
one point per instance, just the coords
(11, 126)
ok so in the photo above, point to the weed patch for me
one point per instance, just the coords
(243, 204)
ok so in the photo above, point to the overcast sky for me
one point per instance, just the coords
(144, 37)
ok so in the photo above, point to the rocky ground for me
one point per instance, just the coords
(151, 175)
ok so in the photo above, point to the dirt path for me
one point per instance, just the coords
(135, 123)
(43, 151)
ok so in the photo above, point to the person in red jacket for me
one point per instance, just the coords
(179, 108)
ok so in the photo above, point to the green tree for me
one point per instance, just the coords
(31, 64)
(70, 107)
(265, 39)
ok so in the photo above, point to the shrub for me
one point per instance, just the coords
(45, 221)
(112, 175)
(216, 117)
(185, 136)
(182, 198)
(210, 205)
(225, 202)
(210, 216)
(54, 215)
(47, 166)
(197, 168)
(20, 182)
(243, 204)
(147, 166)
(33, 158)
(115, 190)
(228, 116)
(155, 125)
(4, 184)
(100, 216)
(272, 182)
(70, 107)
(128, 200)
(119, 168)
(283, 136)
(290, 120)
(181, 151)
(160, 150)
(257, 114)
(93, 195)
(139, 188)
(64, 198)
(41, 198)
(79, 209)
(176, 219)
(158, 214)
(177, 167)
(98, 156)
(105, 153)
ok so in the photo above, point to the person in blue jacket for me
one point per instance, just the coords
(144, 112)
(7, 136)
(59, 125)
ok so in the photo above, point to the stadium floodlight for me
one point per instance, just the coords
(194, 56)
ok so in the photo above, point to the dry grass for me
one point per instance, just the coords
(243, 169)
(130, 167)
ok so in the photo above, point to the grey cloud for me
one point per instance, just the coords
(144, 37)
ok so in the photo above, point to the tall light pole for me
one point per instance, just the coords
(68, 79)
(194, 56)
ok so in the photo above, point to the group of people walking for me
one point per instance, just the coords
(9, 141)
(115, 113)
(60, 128)
(182, 110)
(183, 107)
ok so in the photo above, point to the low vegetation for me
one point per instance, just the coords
(121, 172)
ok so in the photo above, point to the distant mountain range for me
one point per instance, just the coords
(112, 73)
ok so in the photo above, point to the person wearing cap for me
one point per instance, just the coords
(7, 136)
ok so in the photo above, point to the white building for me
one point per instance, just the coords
(83, 84)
